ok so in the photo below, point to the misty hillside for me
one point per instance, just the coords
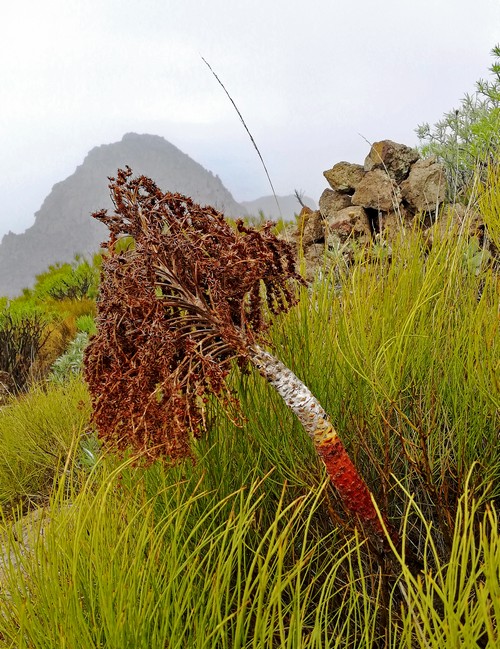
(63, 226)
(289, 206)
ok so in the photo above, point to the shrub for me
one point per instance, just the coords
(467, 138)
(86, 324)
(71, 362)
(23, 335)
(75, 281)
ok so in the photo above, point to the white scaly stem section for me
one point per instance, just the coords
(350, 486)
(296, 395)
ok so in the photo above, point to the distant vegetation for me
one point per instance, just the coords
(245, 543)
(36, 327)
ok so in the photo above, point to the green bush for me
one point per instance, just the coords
(467, 138)
(68, 281)
(86, 324)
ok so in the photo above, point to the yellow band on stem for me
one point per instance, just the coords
(323, 436)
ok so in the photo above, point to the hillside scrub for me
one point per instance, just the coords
(37, 327)
(244, 544)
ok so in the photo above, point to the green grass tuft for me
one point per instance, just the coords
(37, 432)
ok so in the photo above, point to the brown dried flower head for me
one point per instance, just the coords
(175, 308)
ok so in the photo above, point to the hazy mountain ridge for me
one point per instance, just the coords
(63, 225)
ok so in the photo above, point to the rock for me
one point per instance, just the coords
(305, 211)
(392, 223)
(393, 158)
(377, 191)
(311, 228)
(394, 193)
(425, 188)
(315, 259)
(314, 254)
(351, 223)
(453, 218)
(344, 177)
(332, 201)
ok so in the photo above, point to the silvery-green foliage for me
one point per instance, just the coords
(71, 362)
(467, 138)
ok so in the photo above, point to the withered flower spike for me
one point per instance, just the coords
(179, 292)
(192, 291)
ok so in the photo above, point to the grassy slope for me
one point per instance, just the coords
(238, 549)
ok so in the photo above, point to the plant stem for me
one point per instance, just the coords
(352, 489)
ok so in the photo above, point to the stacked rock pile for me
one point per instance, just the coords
(395, 189)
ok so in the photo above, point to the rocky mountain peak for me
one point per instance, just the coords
(63, 225)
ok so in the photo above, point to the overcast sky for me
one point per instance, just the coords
(314, 81)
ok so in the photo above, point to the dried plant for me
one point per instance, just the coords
(175, 309)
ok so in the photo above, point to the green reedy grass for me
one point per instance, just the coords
(454, 603)
(147, 559)
(403, 351)
(489, 203)
(37, 432)
(245, 546)
(182, 567)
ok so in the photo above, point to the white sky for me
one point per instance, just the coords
(312, 79)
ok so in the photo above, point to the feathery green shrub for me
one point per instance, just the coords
(467, 138)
